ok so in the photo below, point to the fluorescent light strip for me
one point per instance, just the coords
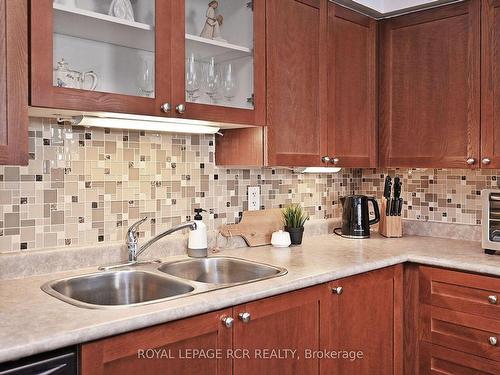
(146, 125)
(321, 170)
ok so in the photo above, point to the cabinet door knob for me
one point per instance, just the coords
(227, 321)
(165, 107)
(244, 317)
(181, 108)
(325, 159)
(471, 161)
(493, 341)
(493, 299)
(335, 160)
(486, 161)
(337, 290)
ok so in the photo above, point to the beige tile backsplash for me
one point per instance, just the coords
(86, 186)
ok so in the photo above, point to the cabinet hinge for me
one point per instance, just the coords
(250, 4)
(251, 100)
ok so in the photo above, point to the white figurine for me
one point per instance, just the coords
(122, 9)
(211, 30)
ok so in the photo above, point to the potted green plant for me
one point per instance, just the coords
(294, 219)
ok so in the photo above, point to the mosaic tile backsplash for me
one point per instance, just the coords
(440, 195)
(86, 186)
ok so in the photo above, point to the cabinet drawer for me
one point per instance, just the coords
(465, 332)
(435, 359)
(458, 291)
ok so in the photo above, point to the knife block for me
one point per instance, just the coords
(389, 226)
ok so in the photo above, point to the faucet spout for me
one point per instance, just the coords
(191, 225)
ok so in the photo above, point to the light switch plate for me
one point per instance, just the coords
(253, 198)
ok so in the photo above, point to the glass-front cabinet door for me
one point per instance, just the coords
(101, 55)
(219, 64)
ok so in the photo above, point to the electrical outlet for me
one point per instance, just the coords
(253, 198)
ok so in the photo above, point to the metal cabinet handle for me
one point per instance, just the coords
(181, 108)
(486, 161)
(335, 160)
(165, 107)
(493, 341)
(337, 290)
(471, 161)
(325, 159)
(493, 299)
(227, 321)
(53, 370)
(244, 317)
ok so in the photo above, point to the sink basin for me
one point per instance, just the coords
(221, 270)
(118, 288)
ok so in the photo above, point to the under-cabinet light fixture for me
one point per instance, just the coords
(145, 123)
(319, 170)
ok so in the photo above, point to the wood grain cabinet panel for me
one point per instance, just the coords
(490, 119)
(366, 317)
(288, 321)
(430, 88)
(134, 352)
(436, 360)
(352, 88)
(14, 82)
(296, 82)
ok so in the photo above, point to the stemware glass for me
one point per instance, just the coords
(212, 79)
(146, 78)
(192, 78)
(229, 83)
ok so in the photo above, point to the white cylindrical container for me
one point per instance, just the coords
(198, 239)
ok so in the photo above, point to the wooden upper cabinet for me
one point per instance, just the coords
(352, 88)
(365, 315)
(14, 82)
(430, 88)
(164, 349)
(490, 120)
(239, 61)
(130, 59)
(296, 82)
(288, 321)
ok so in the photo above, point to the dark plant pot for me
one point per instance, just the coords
(296, 235)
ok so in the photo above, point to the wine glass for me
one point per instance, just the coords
(212, 79)
(146, 78)
(192, 78)
(229, 83)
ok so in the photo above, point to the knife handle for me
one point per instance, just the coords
(387, 207)
(400, 206)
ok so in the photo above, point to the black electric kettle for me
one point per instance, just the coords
(355, 216)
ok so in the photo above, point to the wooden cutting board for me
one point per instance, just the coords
(256, 227)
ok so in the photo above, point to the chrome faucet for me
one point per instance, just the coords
(134, 250)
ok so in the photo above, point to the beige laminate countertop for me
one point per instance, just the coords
(32, 321)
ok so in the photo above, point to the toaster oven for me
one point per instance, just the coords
(491, 221)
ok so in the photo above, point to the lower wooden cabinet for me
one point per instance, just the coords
(278, 334)
(363, 315)
(292, 333)
(174, 348)
(452, 322)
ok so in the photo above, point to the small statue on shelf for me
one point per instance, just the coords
(122, 9)
(211, 30)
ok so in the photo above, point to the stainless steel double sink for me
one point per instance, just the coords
(152, 283)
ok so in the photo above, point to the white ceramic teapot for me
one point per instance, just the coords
(72, 79)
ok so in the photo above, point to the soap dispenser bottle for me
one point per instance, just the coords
(198, 242)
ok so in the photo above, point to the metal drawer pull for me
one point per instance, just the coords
(337, 290)
(492, 299)
(53, 370)
(493, 341)
(244, 317)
